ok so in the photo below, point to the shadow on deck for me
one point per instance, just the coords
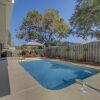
(4, 78)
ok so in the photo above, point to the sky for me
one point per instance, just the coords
(21, 7)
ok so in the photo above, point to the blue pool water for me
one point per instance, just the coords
(56, 75)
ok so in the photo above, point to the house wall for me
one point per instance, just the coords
(5, 16)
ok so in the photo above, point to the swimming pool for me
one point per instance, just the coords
(55, 75)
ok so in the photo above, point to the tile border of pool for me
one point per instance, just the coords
(65, 62)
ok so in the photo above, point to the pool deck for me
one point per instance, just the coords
(23, 87)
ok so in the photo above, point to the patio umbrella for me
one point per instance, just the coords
(33, 43)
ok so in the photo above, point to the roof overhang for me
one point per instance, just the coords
(12, 1)
(5, 1)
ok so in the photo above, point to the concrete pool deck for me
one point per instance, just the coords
(23, 87)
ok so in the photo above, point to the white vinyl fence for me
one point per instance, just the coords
(88, 52)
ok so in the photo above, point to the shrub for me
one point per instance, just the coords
(20, 52)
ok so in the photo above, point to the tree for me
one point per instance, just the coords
(55, 27)
(86, 19)
(30, 26)
(45, 28)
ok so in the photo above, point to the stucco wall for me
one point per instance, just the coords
(5, 17)
(2, 23)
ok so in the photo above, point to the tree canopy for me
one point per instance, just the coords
(30, 26)
(45, 28)
(86, 19)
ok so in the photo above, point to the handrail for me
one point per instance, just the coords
(85, 84)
